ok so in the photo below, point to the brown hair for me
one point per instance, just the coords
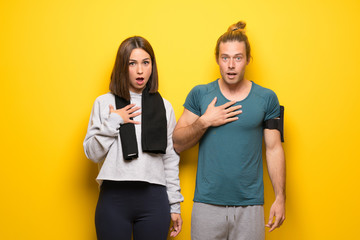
(119, 84)
(235, 32)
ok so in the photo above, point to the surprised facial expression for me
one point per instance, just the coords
(140, 68)
(232, 62)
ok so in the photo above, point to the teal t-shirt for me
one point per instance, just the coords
(230, 170)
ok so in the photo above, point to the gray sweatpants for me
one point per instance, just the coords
(214, 222)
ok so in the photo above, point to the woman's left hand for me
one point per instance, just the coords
(176, 224)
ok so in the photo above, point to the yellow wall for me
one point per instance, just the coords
(56, 57)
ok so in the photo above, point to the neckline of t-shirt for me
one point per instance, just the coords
(251, 90)
(134, 94)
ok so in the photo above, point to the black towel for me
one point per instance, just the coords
(153, 126)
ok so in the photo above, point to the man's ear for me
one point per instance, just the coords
(248, 61)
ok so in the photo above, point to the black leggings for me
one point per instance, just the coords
(137, 208)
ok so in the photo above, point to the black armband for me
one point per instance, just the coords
(277, 123)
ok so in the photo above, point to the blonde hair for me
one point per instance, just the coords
(236, 32)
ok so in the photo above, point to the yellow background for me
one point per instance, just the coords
(56, 58)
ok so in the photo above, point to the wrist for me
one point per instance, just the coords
(203, 123)
(115, 119)
(280, 198)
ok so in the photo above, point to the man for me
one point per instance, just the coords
(227, 118)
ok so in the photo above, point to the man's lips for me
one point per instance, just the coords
(231, 75)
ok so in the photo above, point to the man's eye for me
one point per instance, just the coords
(225, 58)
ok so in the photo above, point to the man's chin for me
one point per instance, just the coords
(234, 81)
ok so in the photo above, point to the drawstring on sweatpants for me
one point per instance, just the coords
(227, 217)
(227, 213)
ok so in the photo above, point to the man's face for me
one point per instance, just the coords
(232, 61)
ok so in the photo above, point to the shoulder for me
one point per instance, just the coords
(105, 98)
(169, 111)
(102, 102)
(204, 89)
(263, 92)
(167, 104)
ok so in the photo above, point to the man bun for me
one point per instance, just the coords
(235, 32)
(238, 26)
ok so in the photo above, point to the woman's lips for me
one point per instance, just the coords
(140, 80)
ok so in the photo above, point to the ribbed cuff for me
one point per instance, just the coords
(175, 208)
(115, 120)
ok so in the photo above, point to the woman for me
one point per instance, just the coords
(130, 136)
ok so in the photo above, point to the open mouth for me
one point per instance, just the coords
(140, 80)
(231, 75)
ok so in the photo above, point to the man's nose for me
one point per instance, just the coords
(231, 63)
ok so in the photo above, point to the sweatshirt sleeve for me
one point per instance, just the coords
(171, 166)
(103, 129)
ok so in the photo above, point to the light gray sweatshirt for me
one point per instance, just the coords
(103, 146)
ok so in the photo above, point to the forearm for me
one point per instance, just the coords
(97, 147)
(277, 170)
(171, 169)
(188, 136)
(100, 136)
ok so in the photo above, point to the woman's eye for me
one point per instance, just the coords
(146, 62)
(132, 63)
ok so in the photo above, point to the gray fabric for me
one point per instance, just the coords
(103, 146)
(214, 222)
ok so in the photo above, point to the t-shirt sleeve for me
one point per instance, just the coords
(192, 102)
(273, 107)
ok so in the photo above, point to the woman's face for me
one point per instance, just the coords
(140, 68)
